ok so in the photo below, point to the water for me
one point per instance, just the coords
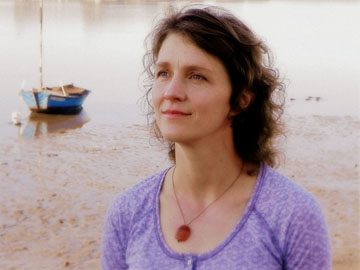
(72, 172)
(99, 45)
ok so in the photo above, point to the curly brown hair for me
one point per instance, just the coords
(249, 65)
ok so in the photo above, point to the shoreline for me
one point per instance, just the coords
(56, 186)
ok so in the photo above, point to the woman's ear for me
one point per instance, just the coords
(246, 98)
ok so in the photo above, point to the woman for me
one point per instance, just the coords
(221, 206)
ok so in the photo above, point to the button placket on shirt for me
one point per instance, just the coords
(189, 261)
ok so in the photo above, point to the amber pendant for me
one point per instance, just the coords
(183, 233)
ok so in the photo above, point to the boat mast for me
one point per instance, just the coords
(41, 44)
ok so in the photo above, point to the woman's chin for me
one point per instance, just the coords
(171, 137)
(175, 136)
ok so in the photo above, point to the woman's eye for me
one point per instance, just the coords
(162, 74)
(197, 77)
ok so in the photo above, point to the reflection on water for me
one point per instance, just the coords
(39, 124)
(99, 45)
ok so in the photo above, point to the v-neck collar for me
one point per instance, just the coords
(237, 228)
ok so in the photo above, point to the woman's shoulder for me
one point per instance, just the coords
(143, 190)
(295, 221)
(139, 197)
(278, 188)
(282, 201)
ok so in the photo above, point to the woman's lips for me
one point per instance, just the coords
(175, 113)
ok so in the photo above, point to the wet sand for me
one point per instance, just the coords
(56, 183)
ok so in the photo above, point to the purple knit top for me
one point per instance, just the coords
(282, 228)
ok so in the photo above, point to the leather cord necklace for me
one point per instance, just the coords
(183, 232)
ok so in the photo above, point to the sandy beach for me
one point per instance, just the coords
(57, 183)
(58, 175)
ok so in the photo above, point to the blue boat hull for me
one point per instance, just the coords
(45, 102)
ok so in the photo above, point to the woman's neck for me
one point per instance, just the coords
(205, 172)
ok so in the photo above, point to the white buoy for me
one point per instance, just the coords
(16, 118)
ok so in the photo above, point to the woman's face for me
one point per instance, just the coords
(191, 92)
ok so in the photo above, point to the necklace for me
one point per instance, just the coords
(184, 231)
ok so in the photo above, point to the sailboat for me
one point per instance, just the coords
(64, 99)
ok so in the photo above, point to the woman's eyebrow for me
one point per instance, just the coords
(163, 64)
(197, 67)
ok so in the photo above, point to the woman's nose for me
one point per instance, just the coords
(175, 90)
